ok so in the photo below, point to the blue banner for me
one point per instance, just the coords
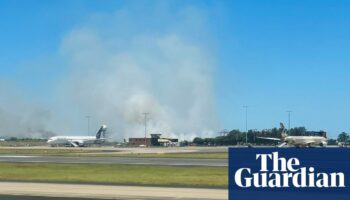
(289, 173)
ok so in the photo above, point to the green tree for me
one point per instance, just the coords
(297, 131)
(343, 137)
(332, 142)
(198, 141)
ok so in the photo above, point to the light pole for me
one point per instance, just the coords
(146, 118)
(88, 119)
(246, 124)
(289, 111)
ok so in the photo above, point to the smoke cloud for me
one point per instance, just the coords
(120, 66)
(20, 118)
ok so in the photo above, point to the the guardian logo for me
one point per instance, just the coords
(289, 173)
(279, 172)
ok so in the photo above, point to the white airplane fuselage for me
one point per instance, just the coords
(305, 141)
(79, 141)
(71, 140)
(298, 141)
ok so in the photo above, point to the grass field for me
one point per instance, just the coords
(206, 155)
(53, 151)
(102, 153)
(117, 174)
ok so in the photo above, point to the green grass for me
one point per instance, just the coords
(210, 155)
(187, 176)
(53, 151)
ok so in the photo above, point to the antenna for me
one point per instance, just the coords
(246, 124)
(289, 111)
(146, 119)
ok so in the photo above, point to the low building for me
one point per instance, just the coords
(139, 142)
(155, 140)
(168, 142)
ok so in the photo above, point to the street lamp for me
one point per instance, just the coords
(289, 111)
(246, 124)
(146, 118)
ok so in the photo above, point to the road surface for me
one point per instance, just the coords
(115, 160)
(41, 191)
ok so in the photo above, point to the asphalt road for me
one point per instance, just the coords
(19, 197)
(115, 160)
(52, 191)
(14, 197)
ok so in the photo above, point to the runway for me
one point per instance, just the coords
(42, 191)
(115, 160)
(16, 197)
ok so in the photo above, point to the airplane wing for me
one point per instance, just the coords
(268, 138)
(282, 145)
(76, 143)
(307, 143)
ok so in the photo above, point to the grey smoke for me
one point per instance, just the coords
(163, 76)
(19, 117)
(118, 68)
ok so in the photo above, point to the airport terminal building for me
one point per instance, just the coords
(139, 141)
(155, 140)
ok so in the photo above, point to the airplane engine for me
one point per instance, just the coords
(323, 144)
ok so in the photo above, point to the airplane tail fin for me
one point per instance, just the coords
(101, 132)
(284, 131)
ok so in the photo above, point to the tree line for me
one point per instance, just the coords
(236, 137)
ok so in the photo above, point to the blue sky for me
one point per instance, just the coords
(273, 56)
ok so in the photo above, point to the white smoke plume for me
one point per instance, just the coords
(120, 66)
(161, 76)
(20, 118)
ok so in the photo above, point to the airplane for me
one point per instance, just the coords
(298, 141)
(79, 141)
